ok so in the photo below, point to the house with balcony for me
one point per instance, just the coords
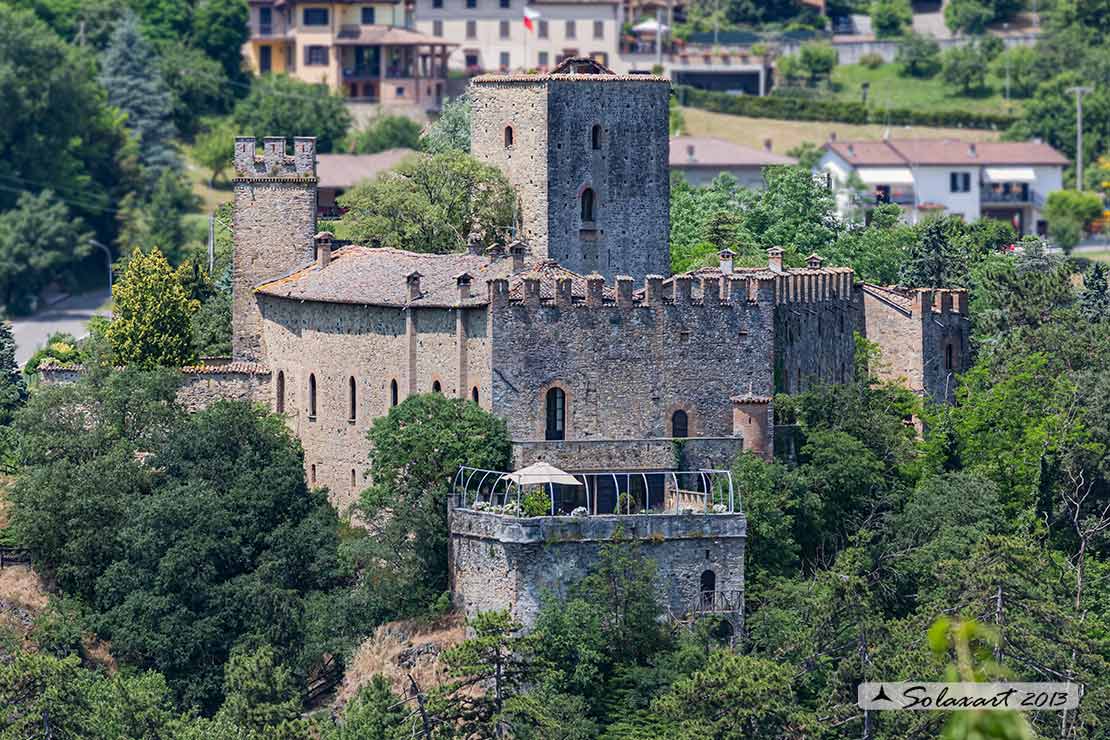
(1006, 180)
(365, 51)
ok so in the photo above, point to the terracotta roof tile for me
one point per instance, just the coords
(347, 170)
(709, 152)
(941, 152)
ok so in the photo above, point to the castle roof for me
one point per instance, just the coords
(379, 277)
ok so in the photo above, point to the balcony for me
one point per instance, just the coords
(1013, 195)
(272, 30)
(362, 72)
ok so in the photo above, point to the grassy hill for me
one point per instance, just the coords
(890, 90)
(785, 135)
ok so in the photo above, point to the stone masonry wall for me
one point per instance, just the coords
(814, 323)
(625, 369)
(552, 161)
(335, 342)
(500, 562)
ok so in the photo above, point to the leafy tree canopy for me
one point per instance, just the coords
(278, 105)
(386, 132)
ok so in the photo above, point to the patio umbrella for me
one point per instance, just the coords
(541, 474)
(651, 26)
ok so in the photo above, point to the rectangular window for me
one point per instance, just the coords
(601, 58)
(542, 59)
(504, 61)
(959, 182)
(570, 30)
(472, 4)
(471, 60)
(503, 29)
(542, 30)
(315, 16)
(437, 3)
(506, 3)
(437, 28)
(367, 16)
(599, 29)
(315, 56)
(400, 91)
(472, 29)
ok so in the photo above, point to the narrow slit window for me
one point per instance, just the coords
(680, 424)
(508, 136)
(352, 399)
(556, 428)
(588, 205)
(474, 394)
(312, 396)
(279, 393)
(436, 387)
(595, 137)
(393, 393)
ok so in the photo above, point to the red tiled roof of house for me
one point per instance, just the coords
(347, 170)
(709, 152)
(942, 152)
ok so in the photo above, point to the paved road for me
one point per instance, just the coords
(71, 316)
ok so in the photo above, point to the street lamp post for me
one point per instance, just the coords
(108, 257)
(1079, 91)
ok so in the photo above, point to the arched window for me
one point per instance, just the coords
(595, 137)
(354, 483)
(279, 392)
(311, 396)
(352, 399)
(436, 387)
(708, 588)
(474, 394)
(556, 414)
(588, 205)
(949, 357)
(393, 393)
(312, 474)
(508, 136)
(680, 424)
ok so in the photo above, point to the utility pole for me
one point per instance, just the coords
(659, 40)
(1079, 91)
(108, 256)
(211, 242)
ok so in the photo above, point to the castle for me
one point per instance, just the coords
(577, 335)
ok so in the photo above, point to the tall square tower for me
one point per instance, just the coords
(587, 152)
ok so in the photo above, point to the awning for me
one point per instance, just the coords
(541, 474)
(651, 26)
(1009, 174)
(886, 175)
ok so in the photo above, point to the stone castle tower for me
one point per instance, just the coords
(587, 152)
(274, 225)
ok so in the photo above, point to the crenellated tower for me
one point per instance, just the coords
(274, 225)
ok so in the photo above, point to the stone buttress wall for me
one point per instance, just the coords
(625, 367)
(814, 322)
(500, 562)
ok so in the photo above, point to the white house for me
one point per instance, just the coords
(1004, 180)
(701, 158)
(492, 37)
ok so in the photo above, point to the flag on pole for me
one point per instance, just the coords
(529, 16)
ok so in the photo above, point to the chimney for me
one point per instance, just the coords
(726, 256)
(814, 261)
(851, 150)
(832, 136)
(496, 252)
(971, 151)
(774, 259)
(412, 280)
(690, 153)
(624, 291)
(595, 284)
(474, 243)
(766, 145)
(462, 280)
(323, 248)
(518, 249)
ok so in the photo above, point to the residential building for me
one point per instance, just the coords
(1004, 180)
(490, 35)
(336, 173)
(362, 50)
(700, 159)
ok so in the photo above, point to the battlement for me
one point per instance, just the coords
(705, 290)
(941, 301)
(275, 162)
(814, 285)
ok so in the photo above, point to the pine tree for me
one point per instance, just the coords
(135, 86)
(1095, 298)
(13, 390)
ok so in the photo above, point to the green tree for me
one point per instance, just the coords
(408, 556)
(198, 85)
(890, 17)
(220, 28)
(969, 16)
(171, 198)
(80, 150)
(919, 56)
(164, 20)
(1073, 205)
(131, 76)
(807, 153)
(152, 315)
(933, 261)
(386, 132)
(39, 241)
(817, 59)
(1095, 298)
(374, 713)
(964, 67)
(431, 203)
(260, 693)
(878, 251)
(278, 105)
(1018, 64)
(794, 212)
(215, 146)
(13, 389)
(451, 131)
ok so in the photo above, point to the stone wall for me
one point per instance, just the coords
(500, 562)
(626, 368)
(552, 161)
(274, 223)
(630, 454)
(814, 322)
(336, 342)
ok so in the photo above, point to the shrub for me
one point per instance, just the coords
(890, 17)
(817, 59)
(965, 68)
(386, 132)
(919, 56)
(872, 60)
(536, 502)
